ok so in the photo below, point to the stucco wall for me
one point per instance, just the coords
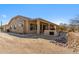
(17, 23)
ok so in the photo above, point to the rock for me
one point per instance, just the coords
(73, 41)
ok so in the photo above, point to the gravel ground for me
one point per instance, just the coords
(13, 44)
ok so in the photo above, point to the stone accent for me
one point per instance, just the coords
(47, 32)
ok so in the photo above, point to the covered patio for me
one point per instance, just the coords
(44, 27)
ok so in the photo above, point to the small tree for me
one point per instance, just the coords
(63, 26)
(74, 24)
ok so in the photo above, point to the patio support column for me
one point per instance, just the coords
(38, 26)
(48, 26)
(55, 30)
(26, 27)
(55, 27)
(42, 28)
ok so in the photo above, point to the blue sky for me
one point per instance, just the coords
(56, 13)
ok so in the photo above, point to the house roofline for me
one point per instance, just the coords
(31, 19)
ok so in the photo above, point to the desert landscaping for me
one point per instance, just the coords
(10, 43)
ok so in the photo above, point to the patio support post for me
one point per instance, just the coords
(38, 26)
(48, 26)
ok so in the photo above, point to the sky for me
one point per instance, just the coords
(56, 13)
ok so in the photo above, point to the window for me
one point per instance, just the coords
(51, 33)
(20, 24)
(11, 27)
(33, 27)
(52, 28)
(14, 26)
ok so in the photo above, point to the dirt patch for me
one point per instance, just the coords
(73, 41)
(13, 44)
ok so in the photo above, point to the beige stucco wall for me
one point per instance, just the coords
(26, 26)
(5, 27)
(16, 22)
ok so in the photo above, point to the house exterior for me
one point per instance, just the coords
(21, 24)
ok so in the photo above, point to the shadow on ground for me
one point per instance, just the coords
(62, 38)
